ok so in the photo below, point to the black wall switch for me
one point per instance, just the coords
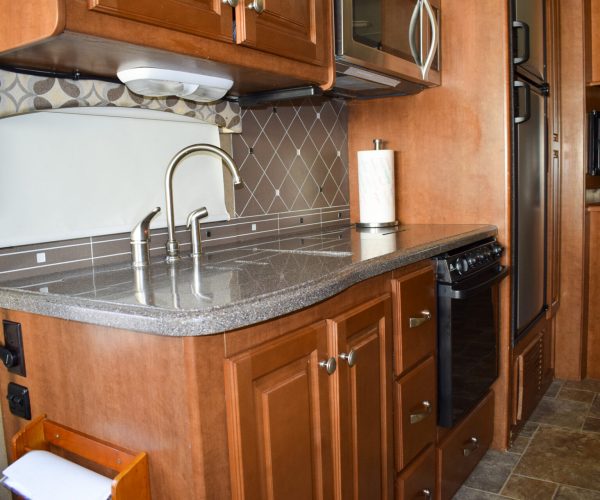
(13, 342)
(18, 400)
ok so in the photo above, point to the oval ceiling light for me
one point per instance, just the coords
(155, 82)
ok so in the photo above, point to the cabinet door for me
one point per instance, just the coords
(362, 400)
(529, 377)
(417, 481)
(278, 418)
(209, 18)
(295, 29)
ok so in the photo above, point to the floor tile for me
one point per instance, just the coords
(591, 424)
(570, 493)
(493, 470)
(526, 488)
(584, 385)
(595, 408)
(528, 429)
(576, 395)
(554, 388)
(466, 493)
(563, 456)
(561, 412)
(519, 444)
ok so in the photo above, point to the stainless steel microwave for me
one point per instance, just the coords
(386, 47)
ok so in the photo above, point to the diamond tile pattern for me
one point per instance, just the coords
(292, 156)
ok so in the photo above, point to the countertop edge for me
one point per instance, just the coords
(232, 316)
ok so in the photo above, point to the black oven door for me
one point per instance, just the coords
(468, 315)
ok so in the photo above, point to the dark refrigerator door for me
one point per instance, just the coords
(528, 38)
(529, 257)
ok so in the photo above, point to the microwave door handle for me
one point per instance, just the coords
(465, 293)
(412, 31)
(434, 40)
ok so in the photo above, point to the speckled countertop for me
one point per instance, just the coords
(232, 287)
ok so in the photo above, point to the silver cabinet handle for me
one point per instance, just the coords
(257, 6)
(330, 365)
(471, 446)
(350, 357)
(415, 322)
(527, 93)
(232, 3)
(517, 59)
(434, 40)
(426, 492)
(418, 416)
(411, 31)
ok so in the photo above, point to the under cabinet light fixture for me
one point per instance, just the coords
(155, 82)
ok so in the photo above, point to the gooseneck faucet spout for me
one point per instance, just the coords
(172, 245)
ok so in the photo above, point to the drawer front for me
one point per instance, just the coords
(464, 446)
(417, 481)
(414, 318)
(416, 412)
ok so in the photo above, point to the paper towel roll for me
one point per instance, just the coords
(376, 187)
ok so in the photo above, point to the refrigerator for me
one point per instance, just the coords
(529, 164)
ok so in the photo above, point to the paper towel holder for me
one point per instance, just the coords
(132, 480)
(377, 146)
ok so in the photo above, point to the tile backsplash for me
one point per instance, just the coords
(293, 159)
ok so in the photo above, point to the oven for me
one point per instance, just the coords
(468, 314)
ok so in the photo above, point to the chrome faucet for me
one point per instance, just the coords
(172, 245)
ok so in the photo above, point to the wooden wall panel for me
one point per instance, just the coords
(452, 143)
(570, 316)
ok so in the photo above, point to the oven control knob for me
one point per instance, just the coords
(461, 265)
(471, 260)
(480, 257)
(496, 249)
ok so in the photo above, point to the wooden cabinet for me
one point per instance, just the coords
(361, 400)
(593, 305)
(533, 371)
(284, 27)
(198, 17)
(463, 447)
(286, 44)
(593, 41)
(417, 481)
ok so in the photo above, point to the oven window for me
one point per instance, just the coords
(474, 344)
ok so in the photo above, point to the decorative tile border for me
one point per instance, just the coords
(20, 93)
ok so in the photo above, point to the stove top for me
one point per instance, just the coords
(466, 262)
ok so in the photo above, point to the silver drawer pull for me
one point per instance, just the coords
(330, 365)
(350, 357)
(415, 322)
(426, 492)
(471, 446)
(417, 416)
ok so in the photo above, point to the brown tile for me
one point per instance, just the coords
(492, 471)
(584, 385)
(591, 424)
(109, 247)
(466, 493)
(595, 408)
(571, 493)
(526, 488)
(300, 220)
(576, 395)
(519, 444)
(274, 130)
(554, 388)
(560, 412)
(297, 133)
(528, 429)
(563, 456)
(263, 150)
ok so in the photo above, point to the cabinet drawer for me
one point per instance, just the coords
(417, 481)
(416, 412)
(459, 453)
(414, 318)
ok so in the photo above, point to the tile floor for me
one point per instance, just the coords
(556, 456)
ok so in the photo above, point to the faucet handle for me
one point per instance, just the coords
(140, 239)
(141, 232)
(193, 223)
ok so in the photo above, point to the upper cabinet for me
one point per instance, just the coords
(259, 44)
(208, 18)
(284, 27)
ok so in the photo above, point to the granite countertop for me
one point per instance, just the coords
(235, 286)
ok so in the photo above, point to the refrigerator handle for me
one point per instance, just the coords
(525, 57)
(525, 116)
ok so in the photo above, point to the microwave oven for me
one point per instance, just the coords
(386, 47)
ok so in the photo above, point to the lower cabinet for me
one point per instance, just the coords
(309, 414)
(463, 447)
(417, 481)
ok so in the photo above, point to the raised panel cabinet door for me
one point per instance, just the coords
(415, 318)
(529, 373)
(417, 481)
(278, 418)
(361, 401)
(295, 29)
(208, 18)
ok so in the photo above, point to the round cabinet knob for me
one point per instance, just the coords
(329, 365)
(257, 6)
(350, 357)
(426, 493)
(232, 3)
